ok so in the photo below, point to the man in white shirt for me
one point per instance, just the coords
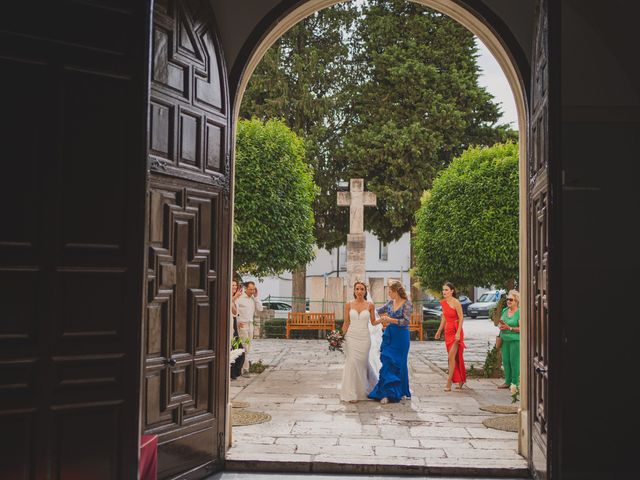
(248, 304)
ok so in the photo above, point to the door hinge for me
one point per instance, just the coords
(221, 445)
(158, 164)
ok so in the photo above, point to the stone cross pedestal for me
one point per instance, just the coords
(317, 295)
(334, 299)
(356, 199)
(376, 290)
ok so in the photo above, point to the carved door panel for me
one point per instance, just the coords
(539, 208)
(72, 192)
(188, 230)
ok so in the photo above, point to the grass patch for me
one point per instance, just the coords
(257, 367)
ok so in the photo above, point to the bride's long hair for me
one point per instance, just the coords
(366, 292)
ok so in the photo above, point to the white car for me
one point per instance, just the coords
(281, 309)
(487, 301)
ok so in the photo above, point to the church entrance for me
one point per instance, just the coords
(115, 259)
(534, 203)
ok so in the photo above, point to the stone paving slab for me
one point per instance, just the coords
(311, 430)
(227, 475)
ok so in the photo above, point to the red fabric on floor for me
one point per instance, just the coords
(148, 457)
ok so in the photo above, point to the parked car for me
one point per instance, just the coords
(429, 313)
(435, 305)
(482, 307)
(465, 302)
(280, 308)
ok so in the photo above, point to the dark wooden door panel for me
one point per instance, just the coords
(539, 208)
(182, 312)
(188, 232)
(182, 281)
(188, 114)
(72, 194)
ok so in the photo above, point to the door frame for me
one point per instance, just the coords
(511, 59)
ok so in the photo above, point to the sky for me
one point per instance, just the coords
(496, 83)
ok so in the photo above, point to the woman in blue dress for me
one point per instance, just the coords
(393, 383)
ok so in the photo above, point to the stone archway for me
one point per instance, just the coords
(516, 79)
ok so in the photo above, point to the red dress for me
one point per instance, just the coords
(450, 329)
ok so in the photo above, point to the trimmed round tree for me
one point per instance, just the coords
(274, 194)
(467, 225)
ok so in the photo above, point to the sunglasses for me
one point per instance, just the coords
(509, 299)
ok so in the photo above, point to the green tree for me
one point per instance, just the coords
(417, 105)
(273, 226)
(302, 79)
(467, 226)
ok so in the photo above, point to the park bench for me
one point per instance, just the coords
(310, 321)
(415, 324)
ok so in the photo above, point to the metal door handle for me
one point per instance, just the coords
(171, 362)
(541, 370)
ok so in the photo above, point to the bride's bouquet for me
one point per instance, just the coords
(335, 339)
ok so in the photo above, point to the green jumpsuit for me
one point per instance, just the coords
(511, 348)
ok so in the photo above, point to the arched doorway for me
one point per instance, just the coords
(75, 243)
(533, 196)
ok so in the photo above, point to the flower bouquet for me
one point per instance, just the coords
(335, 339)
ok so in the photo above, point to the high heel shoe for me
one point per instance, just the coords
(448, 387)
(384, 400)
(459, 387)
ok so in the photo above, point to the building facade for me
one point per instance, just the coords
(383, 260)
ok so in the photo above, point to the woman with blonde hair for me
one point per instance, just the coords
(509, 326)
(395, 315)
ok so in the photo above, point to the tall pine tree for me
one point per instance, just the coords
(304, 79)
(416, 106)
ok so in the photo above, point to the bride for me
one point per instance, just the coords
(358, 378)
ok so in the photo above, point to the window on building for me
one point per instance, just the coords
(383, 251)
(342, 258)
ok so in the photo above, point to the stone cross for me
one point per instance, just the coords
(356, 199)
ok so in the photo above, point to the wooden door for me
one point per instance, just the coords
(186, 327)
(539, 222)
(72, 197)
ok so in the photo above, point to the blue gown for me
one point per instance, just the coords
(393, 382)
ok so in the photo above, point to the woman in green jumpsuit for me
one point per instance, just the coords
(510, 333)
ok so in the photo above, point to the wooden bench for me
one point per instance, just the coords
(415, 324)
(310, 321)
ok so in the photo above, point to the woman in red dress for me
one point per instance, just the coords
(453, 335)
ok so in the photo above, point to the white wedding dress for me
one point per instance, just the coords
(358, 378)
(375, 331)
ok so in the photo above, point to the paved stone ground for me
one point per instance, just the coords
(319, 476)
(435, 431)
(480, 336)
